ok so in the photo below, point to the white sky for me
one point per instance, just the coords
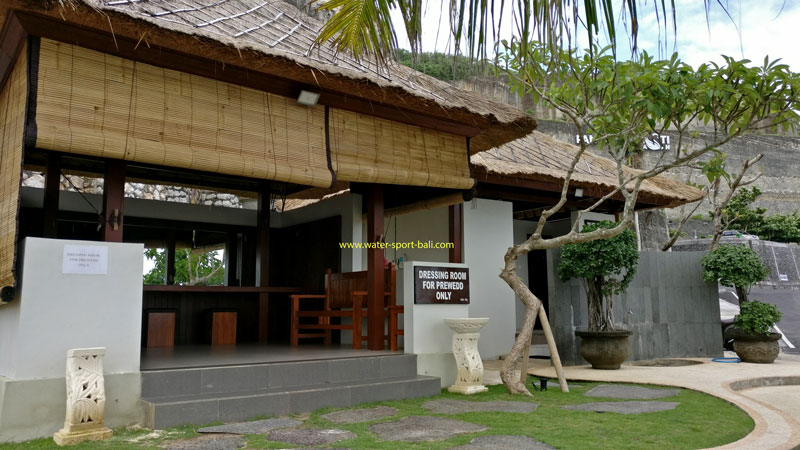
(766, 27)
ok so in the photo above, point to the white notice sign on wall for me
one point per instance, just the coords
(85, 260)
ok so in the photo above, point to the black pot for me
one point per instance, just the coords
(753, 348)
(605, 350)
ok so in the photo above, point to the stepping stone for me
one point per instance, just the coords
(309, 436)
(423, 428)
(630, 392)
(504, 442)
(360, 415)
(208, 443)
(255, 427)
(624, 407)
(447, 406)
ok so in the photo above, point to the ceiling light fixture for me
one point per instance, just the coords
(308, 98)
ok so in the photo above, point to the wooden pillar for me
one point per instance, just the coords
(52, 187)
(456, 233)
(169, 257)
(375, 269)
(232, 260)
(262, 262)
(113, 200)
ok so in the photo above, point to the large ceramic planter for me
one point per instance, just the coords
(756, 348)
(605, 350)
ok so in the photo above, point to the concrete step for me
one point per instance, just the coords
(234, 393)
(164, 412)
(175, 382)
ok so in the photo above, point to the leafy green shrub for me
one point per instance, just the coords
(756, 318)
(607, 267)
(735, 266)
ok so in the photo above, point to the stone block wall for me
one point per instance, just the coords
(670, 309)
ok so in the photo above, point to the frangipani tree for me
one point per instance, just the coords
(621, 103)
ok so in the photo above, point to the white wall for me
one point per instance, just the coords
(420, 226)
(488, 233)
(56, 312)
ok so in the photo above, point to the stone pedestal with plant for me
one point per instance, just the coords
(739, 267)
(607, 267)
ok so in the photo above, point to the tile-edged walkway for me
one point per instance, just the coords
(776, 427)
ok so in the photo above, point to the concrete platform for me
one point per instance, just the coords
(192, 356)
(777, 425)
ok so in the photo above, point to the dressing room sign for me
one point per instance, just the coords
(445, 285)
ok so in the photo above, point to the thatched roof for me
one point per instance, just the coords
(275, 37)
(539, 157)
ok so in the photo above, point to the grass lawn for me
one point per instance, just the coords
(700, 421)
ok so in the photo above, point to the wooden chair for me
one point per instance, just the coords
(345, 296)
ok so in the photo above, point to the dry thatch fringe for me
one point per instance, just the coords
(541, 157)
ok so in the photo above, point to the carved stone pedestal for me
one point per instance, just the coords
(86, 398)
(465, 348)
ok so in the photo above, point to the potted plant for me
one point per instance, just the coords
(735, 266)
(739, 267)
(607, 267)
(752, 340)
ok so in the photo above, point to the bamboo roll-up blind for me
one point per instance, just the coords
(97, 104)
(371, 150)
(12, 117)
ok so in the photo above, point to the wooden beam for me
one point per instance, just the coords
(132, 48)
(169, 256)
(52, 189)
(232, 260)
(456, 222)
(113, 200)
(262, 261)
(428, 203)
(375, 269)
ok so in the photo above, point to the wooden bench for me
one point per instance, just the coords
(345, 296)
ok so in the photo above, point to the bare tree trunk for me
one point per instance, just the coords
(742, 293)
(532, 305)
(594, 300)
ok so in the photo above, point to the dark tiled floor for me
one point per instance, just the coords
(182, 357)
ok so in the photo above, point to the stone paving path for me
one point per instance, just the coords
(623, 407)
(255, 427)
(423, 428)
(448, 406)
(630, 392)
(360, 415)
(208, 443)
(309, 436)
(504, 442)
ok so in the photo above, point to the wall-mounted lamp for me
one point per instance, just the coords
(308, 98)
(579, 192)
